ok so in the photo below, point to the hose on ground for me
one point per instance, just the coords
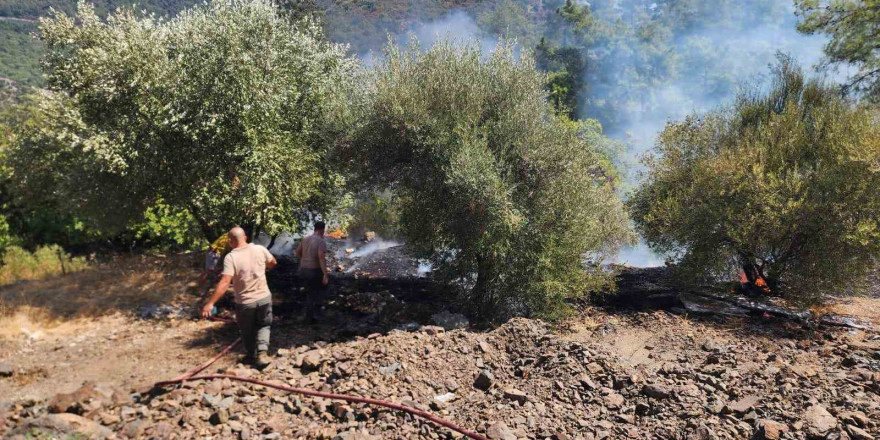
(353, 399)
(191, 375)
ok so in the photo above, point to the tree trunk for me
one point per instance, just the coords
(272, 241)
(207, 229)
(481, 290)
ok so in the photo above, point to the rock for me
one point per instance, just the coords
(818, 421)
(445, 398)
(515, 395)
(369, 236)
(856, 418)
(63, 426)
(162, 430)
(586, 382)
(134, 428)
(484, 380)
(219, 417)
(614, 400)
(858, 433)
(500, 431)
(311, 359)
(432, 329)
(594, 368)
(702, 432)
(771, 430)
(6, 370)
(450, 321)
(656, 391)
(391, 369)
(743, 405)
(88, 397)
(850, 361)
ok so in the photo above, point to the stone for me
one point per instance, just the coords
(88, 397)
(134, 428)
(500, 431)
(515, 395)
(311, 359)
(744, 405)
(63, 426)
(445, 398)
(6, 370)
(856, 418)
(391, 369)
(219, 417)
(818, 421)
(162, 430)
(614, 400)
(771, 430)
(432, 329)
(702, 432)
(586, 382)
(858, 433)
(484, 380)
(656, 391)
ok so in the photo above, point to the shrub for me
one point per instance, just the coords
(19, 264)
(508, 201)
(784, 185)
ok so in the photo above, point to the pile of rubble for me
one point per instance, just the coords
(519, 381)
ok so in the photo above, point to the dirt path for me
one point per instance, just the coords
(115, 350)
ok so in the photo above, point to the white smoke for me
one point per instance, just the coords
(457, 27)
(741, 56)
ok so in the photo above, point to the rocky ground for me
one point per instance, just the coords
(609, 373)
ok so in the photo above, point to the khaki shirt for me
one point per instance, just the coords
(311, 245)
(247, 267)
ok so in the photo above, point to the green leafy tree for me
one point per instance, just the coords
(507, 200)
(784, 185)
(855, 39)
(510, 20)
(223, 111)
(565, 77)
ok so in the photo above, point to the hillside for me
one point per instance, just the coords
(362, 24)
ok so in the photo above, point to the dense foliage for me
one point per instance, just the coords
(785, 185)
(855, 39)
(219, 112)
(502, 196)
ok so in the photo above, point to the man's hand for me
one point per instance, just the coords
(219, 291)
(206, 310)
(326, 280)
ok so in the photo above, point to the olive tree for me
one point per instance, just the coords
(783, 184)
(222, 110)
(508, 201)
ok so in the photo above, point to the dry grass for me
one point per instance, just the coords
(119, 286)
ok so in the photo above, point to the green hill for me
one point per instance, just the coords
(364, 24)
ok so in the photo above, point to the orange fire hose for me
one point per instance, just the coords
(191, 375)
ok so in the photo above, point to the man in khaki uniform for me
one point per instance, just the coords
(246, 265)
